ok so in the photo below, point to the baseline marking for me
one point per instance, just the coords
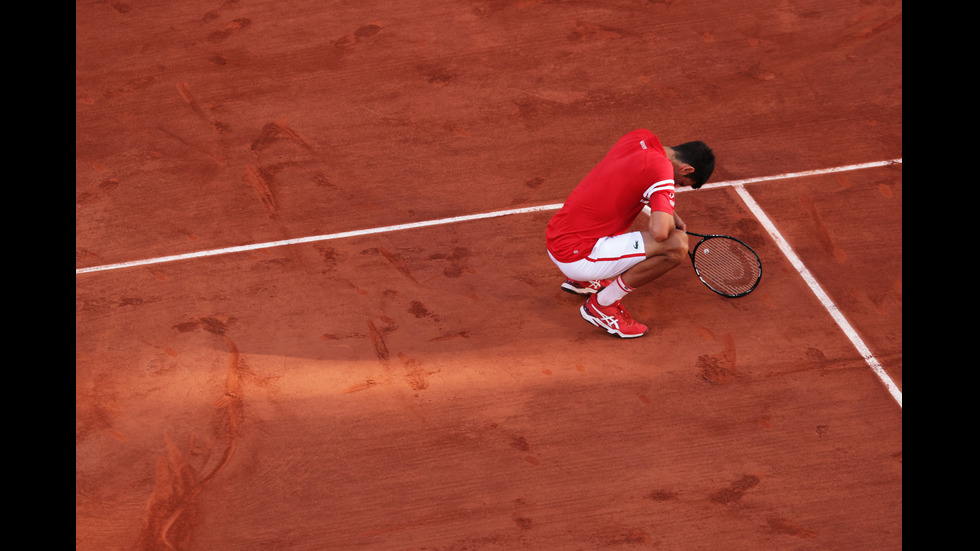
(441, 221)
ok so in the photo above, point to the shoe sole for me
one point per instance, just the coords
(578, 291)
(591, 319)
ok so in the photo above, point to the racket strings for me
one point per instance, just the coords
(727, 266)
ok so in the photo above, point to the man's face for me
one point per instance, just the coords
(682, 181)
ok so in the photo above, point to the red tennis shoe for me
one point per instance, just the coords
(613, 319)
(584, 287)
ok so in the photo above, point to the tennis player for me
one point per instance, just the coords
(588, 238)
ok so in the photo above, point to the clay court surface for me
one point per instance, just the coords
(427, 386)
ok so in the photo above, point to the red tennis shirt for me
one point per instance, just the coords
(635, 172)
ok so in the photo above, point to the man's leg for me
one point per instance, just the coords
(662, 257)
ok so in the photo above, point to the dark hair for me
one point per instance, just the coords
(698, 155)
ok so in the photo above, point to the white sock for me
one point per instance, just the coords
(613, 292)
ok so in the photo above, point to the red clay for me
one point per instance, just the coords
(433, 389)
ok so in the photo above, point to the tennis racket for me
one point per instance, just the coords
(726, 265)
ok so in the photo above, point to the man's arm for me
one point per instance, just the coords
(661, 223)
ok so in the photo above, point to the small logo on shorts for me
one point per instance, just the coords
(636, 244)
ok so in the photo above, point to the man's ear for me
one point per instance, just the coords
(686, 169)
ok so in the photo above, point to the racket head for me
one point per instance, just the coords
(726, 265)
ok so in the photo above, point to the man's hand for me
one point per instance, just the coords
(678, 223)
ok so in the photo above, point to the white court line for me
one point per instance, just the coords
(442, 221)
(821, 295)
(311, 239)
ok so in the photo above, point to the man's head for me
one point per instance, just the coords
(696, 161)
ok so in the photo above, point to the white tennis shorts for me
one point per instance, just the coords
(610, 257)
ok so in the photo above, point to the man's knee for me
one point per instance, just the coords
(672, 250)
